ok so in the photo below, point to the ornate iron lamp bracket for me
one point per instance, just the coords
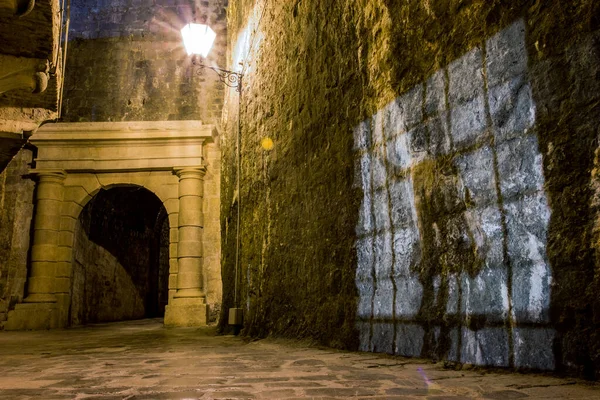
(229, 78)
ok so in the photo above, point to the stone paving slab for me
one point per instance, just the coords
(142, 360)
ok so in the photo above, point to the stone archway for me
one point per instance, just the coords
(178, 161)
(120, 266)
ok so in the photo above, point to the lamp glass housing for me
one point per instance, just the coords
(198, 39)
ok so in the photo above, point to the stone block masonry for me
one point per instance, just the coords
(459, 215)
(432, 188)
(17, 192)
(127, 62)
(132, 256)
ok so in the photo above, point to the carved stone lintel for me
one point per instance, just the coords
(23, 73)
(18, 8)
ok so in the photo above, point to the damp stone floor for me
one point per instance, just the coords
(143, 360)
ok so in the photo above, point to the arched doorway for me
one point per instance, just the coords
(178, 162)
(120, 257)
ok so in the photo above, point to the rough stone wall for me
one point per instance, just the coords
(27, 40)
(102, 289)
(16, 210)
(452, 254)
(430, 191)
(298, 208)
(126, 62)
(9, 150)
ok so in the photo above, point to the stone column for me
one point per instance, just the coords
(173, 266)
(39, 309)
(188, 307)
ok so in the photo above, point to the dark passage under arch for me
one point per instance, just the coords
(120, 258)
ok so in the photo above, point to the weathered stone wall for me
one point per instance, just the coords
(16, 210)
(118, 273)
(9, 150)
(126, 62)
(430, 190)
(28, 44)
(454, 218)
(102, 289)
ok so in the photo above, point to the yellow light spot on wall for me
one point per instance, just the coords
(267, 143)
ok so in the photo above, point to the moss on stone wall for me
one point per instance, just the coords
(315, 71)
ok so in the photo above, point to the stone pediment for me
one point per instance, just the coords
(121, 146)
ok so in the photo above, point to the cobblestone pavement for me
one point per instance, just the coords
(143, 360)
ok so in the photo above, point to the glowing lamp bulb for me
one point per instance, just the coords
(198, 39)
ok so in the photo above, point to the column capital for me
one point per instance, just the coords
(197, 172)
(49, 175)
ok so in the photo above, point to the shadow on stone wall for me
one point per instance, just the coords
(477, 240)
(121, 265)
(455, 224)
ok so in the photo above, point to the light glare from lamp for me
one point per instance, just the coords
(198, 39)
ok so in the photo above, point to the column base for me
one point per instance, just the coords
(186, 312)
(33, 316)
(40, 297)
(189, 293)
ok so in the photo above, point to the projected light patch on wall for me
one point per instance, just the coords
(453, 223)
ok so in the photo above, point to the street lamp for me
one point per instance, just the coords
(198, 40)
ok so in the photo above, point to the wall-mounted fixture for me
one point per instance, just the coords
(198, 40)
